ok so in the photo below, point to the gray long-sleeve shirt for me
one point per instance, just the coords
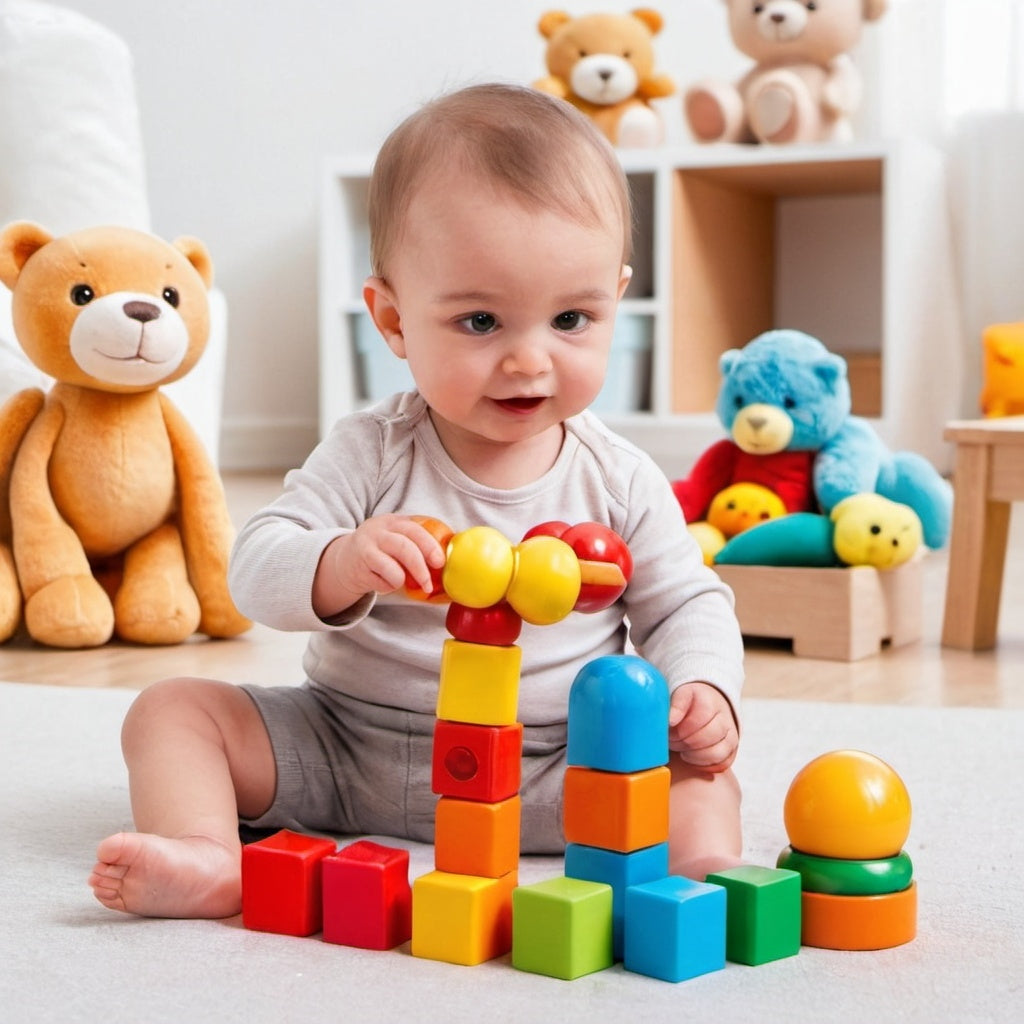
(386, 649)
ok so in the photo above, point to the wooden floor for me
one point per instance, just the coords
(921, 674)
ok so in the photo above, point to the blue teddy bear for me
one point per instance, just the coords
(784, 397)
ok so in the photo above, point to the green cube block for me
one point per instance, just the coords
(762, 913)
(562, 927)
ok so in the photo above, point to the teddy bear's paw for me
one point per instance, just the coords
(10, 595)
(223, 620)
(714, 112)
(153, 611)
(781, 109)
(639, 128)
(70, 611)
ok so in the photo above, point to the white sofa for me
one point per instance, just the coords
(72, 157)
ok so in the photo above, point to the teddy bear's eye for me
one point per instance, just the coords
(738, 401)
(171, 297)
(875, 529)
(82, 295)
(788, 403)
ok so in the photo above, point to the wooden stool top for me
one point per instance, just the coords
(997, 430)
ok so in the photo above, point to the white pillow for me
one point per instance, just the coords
(69, 123)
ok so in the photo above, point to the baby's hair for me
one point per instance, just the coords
(539, 148)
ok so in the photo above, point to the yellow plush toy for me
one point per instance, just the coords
(734, 509)
(872, 530)
(604, 65)
(1002, 392)
(115, 516)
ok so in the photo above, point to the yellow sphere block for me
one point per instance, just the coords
(546, 581)
(462, 919)
(847, 804)
(479, 567)
(479, 683)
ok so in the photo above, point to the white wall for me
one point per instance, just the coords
(241, 102)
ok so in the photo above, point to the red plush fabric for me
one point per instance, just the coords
(788, 474)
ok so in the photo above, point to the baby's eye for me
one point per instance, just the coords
(479, 323)
(570, 320)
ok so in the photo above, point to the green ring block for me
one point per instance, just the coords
(562, 927)
(849, 877)
(762, 913)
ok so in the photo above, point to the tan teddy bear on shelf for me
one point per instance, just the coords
(804, 86)
(112, 517)
(604, 65)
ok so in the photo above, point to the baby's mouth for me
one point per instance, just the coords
(527, 404)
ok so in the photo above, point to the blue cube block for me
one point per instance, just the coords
(618, 715)
(675, 928)
(620, 871)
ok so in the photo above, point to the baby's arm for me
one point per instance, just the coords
(702, 729)
(376, 556)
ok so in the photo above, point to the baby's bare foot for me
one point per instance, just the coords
(195, 876)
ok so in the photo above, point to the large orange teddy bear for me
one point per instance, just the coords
(112, 517)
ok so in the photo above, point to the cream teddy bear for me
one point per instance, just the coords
(804, 85)
(604, 65)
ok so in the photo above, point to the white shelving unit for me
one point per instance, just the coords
(851, 244)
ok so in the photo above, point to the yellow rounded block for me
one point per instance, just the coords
(858, 922)
(479, 683)
(847, 804)
(546, 581)
(479, 567)
(462, 919)
(622, 811)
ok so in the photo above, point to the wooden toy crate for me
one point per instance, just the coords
(837, 614)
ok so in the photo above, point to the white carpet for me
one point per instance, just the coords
(64, 958)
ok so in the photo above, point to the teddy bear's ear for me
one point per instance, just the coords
(727, 361)
(652, 19)
(551, 22)
(874, 9)
(830, 371)
(198, 255)
(18, 241)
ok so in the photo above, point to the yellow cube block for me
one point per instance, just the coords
(479, 683)
(462, 919)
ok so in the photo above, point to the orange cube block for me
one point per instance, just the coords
(474, 838)
(622, 811)
(859, 922)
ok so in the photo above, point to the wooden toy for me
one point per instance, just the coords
(859, 922)
(479, 683)
(762, 913)
(562, 928)
(618, 707)
(675, 928)
(620, 871)
(844, 877)
(367, 901)
(476, 838)
(622, 811)
(282, 883)
(477, 762)
(848, 804)
(462, 919)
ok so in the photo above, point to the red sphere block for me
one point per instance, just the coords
(477, 762)
(497, 626)
(367, 897)
(282, 883)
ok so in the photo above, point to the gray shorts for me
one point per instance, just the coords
(354, 768)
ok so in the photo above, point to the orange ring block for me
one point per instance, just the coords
(859, 922)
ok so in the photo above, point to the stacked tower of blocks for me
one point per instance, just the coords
(617, 900)
(462, 910)
(847, 816)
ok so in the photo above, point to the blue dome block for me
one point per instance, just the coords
(618, 715)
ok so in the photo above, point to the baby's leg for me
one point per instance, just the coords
(704, 821)
(198, 756)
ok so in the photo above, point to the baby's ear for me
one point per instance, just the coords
(380, 301)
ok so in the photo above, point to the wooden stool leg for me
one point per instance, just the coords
(977, 552)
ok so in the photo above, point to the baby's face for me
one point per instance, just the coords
(506, 312)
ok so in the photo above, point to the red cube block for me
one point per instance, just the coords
(282, 880)
(367, 897)
(477, 762)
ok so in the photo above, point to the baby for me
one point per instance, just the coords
(501, 232)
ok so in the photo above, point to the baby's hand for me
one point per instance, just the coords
(376, 556)
(701, 727)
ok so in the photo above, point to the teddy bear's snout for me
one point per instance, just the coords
(141, 311)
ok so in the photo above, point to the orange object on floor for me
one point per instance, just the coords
(859, 922)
